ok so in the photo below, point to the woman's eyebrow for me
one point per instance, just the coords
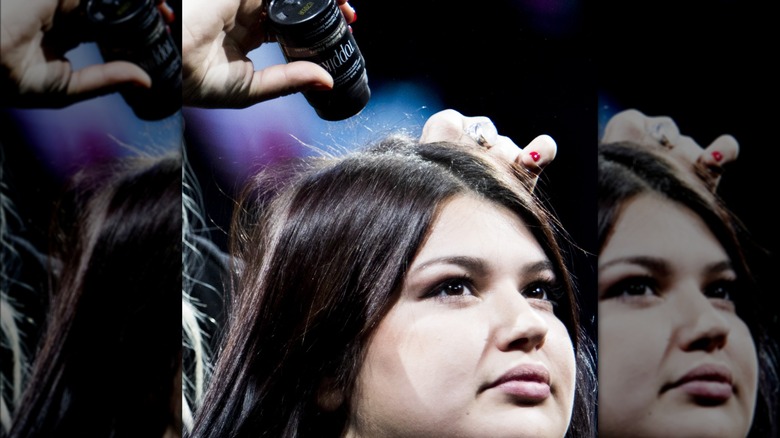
(479, 266)
(661, 267)
(474, 264)
(654, 264)
(718, 267)
(538, 267)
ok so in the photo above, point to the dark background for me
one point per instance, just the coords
(712, 66)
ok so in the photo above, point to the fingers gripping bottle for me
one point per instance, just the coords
(134, 30)
(316, 31)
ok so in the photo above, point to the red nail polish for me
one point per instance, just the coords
(717, 155)
(535, 156)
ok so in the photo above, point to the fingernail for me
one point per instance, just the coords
(167, 12)
(350, 29)
(535, 156)
(354, 14)
(717, 156)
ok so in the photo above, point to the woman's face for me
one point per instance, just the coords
(472, 347)
(674, 357)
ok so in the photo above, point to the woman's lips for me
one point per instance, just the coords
(526, 391)
(529, 383)
(708, 384)
(707, 391)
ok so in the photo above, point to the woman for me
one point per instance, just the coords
(109, 360)
(682, 351)
(411, 289)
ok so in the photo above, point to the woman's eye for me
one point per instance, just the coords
(452, 287)
(539, 291)
(544, 291)
(633, 287)
(723, 290)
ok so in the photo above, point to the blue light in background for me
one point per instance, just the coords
(607, 108)
(66, 139)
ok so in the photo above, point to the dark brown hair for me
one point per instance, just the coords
(109, 360)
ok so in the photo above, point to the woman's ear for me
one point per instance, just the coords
(329, 396)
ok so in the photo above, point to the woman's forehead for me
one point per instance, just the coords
(472, 226)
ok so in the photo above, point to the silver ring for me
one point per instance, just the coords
(479, 132)
(659, 134)
(665, 142)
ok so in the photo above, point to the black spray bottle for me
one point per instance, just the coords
(316, 31)
(134, 30)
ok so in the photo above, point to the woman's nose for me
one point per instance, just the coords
(701, 325)
(521, 326)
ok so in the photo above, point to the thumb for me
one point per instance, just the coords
(284, 79)
(100, 79)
